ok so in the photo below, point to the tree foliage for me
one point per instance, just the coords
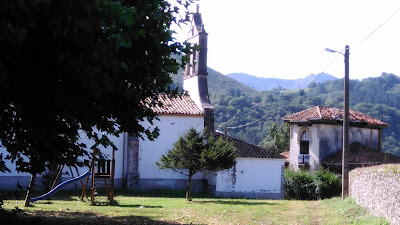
(236, 105)
(195, 152)
(278, 138)
(80, 65)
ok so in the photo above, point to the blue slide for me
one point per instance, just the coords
(58, 187)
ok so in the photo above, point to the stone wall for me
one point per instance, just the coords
(378, 190)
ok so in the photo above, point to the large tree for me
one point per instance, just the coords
(195, 152)
(80, 65)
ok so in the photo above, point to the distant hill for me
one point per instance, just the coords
(236, 104)
(217, 83)
(265, 84)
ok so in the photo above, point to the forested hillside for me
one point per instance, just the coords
(237, 105)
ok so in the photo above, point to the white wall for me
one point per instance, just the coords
(11, 165)
(150, 152)
(171, 127)
(107, 153)
(252, 175)
(369, 137)
(295, 132)
(191, 85)
(118, 141)
(327, 139)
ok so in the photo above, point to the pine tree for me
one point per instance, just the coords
(195, 152)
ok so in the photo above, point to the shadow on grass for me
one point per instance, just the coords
(234, 202)
(116, 203)
(20, 195)
(165, 193)
(19, 217)
(62, 197)
(140, 206)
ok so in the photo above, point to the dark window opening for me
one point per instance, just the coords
(304, 143)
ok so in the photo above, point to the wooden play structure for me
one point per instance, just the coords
(101, 169)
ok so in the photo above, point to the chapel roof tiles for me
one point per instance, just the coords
(181, 105)
(247, 150)
(321, 114)
(359, 154)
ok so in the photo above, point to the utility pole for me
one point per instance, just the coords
(345, 153)
(345, 159)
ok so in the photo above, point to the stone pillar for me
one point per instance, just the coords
(202, 59)
(209, 119)
(133, 163)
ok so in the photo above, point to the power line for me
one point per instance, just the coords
(247, 124)
(287, 102)
(326, 67)
(379, 27)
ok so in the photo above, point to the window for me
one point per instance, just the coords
(304, 143)
(304, 157)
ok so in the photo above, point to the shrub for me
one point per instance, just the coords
(327, 184)
(305, 185)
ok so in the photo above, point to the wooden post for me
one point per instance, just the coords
(92, 190)
(112, 177)
(106, 187)
(345, 160)
(87, 178)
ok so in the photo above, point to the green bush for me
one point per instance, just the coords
(305, 185)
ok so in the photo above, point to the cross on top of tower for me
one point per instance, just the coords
(197, 6)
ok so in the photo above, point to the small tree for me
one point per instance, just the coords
(195, 152)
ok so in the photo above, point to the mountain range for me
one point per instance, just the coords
(265, 84)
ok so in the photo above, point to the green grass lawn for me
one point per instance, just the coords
(68, 209)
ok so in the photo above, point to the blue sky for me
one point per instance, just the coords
(286, 38)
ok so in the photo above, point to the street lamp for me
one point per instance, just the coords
(333, 51)
(345, 158)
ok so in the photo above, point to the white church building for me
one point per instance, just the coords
(258, 173)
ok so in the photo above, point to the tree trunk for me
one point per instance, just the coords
(189, 188)
(30, 190)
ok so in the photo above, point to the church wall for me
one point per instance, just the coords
(8, 181)
(107, 154)
(150, 152)
(192, 86)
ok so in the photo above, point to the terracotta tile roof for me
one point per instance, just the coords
(359, 154)
(182, 105)
(246, 150)
(322, 114)
(286, 155)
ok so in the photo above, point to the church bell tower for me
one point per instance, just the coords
(195, 74)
